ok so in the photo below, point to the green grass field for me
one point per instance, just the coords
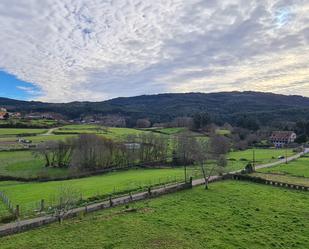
(262, 156)
(233, 215)
(168, 131)
(111, 132)
(223, 132)
(29, 194)
(25, 164)
(4, 212)
(15, 132)
(239, 159)
(299, 167)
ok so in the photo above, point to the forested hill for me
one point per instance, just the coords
(224, 106)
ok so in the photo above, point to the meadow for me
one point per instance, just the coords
(27, 164)
(230, 214)
(110, 132)
(167, 131)
(4, 212)
(298, 168)
(239, 159)
(16, 132)
(28, 195)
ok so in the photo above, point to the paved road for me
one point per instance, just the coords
(291, 158)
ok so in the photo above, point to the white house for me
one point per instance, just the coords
(281, 138)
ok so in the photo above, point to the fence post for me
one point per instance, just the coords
(110, 201)
(149, 191)
(190, 181)
(61, 202)
(42, 205)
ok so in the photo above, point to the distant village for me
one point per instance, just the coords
(279, 139)
(6, 115)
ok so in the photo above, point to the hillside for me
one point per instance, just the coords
(224, 106)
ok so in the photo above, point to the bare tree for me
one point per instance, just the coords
(153, 147)
(56, 153)
(210, 156)
(185, 149)
(66, 199)
(183, 122)
(143, 123)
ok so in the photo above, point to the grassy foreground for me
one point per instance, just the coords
(230, 215)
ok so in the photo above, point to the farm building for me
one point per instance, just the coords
(281, 138)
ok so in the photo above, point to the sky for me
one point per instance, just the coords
(67, 50)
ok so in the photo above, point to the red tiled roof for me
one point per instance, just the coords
(281, 135)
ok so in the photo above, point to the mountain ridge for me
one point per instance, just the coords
(223, 106)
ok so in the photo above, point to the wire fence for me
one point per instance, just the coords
(6, 208)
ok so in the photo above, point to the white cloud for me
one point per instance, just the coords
(94, 50)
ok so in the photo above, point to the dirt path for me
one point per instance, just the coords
(50, 131)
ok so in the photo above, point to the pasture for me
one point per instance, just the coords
(230, 214)
(239, 159)
(26, 164)
(18, 132)
(110, 132)
(28, 195)
(298, 168)
(167, 131)
(4, 212)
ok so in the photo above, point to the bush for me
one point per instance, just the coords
(249, 168)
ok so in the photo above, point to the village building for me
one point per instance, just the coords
(132, 146)
(3, 114)
(282, 138)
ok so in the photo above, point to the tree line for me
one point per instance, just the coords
(90, 152)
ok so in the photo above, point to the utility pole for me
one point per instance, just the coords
(253, 157)
(185, 165)
(286, 154)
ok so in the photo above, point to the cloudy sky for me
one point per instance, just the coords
(65, 50)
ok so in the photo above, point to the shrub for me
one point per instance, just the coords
(249, 168)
